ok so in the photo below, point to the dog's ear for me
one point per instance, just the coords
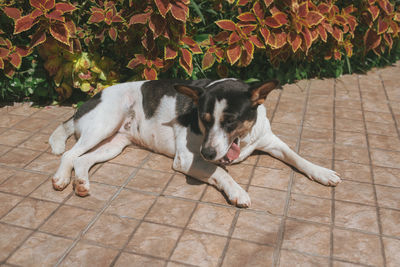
(193, 92)
(258, 93)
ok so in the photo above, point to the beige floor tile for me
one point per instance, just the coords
(6, 173)
(14, 137)
(350, 138)
(381, 117)
(138, 261)
(319, 150)
(131, 204)
(317, 121)
(68, 221)
(22, 183)
(150, 180)
(390, 222)
(10, 238)
(357, 247)
(355, 192)
(10, 120)
(347, 113)
(352, 154)
(154, 239)
(242, 253)
(384, 142)
(307, 237)
(285, 129)
(40, 250)
(47, 163)
(186, 187)
(38, 141)
(317, 134)
(303, 185)
(111, 230)
(89, 255)
(30, 213)
(392, 247)
(99, 195)
(257, 227)
(271, 178)
(268, 200)
(213, 195)
(18, 157)
(240, 172)
(381, 128)
(7, 202)
(310, 208)
(159, 163)
(212, 219)
(356, 216)
(387, 176)
(353, 171)
(171, 211)
(199, 249)
(388, 197)
(291, 258)
(46, 192)
(112, 174)
(32, 124)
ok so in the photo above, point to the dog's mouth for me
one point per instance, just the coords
(233, 152)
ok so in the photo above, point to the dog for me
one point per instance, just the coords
(203, 125)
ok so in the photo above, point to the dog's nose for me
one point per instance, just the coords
(208, 153)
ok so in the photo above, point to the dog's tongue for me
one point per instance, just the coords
(233, 152)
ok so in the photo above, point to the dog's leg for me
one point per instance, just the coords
(106, 150)
(93, 131)
(277, 148)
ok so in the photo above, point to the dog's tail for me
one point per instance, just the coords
(60, 135)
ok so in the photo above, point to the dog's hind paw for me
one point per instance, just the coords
(81, 187)
(60, 183)
(325, 176)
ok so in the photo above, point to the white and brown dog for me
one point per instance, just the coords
(201, 124)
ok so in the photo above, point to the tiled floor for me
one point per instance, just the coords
(141, 213)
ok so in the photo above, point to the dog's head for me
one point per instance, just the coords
(227, 111)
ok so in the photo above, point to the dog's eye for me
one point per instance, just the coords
(229, 119)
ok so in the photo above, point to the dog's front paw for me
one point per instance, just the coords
(324, 176)
(239, 197)
(60, 183)
(81, 187)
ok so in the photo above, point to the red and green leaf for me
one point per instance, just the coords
(60, 32)
(233, 53)
(208, 61)
(226, 25)
(185, 61)
(23, 24)
(12, 12)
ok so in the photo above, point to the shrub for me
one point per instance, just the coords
(93, 44)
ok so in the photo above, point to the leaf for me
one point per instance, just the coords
(265, 34)
(15, 60)
(170, 52)
(371, 39)
(22, 51)
(233, 38)
(337, 34)
(185, 61)
(258, 11)
(322, 33)
(243, 2)
(208, 61)
(307, 38)
(96, 17)
(150, 74)
(142, 18)
(1, 63)
(249, 48)
(163, 6)
(4, 52)
(256, 41)
(268, 2)
(65, 7)
(246, 16)
(112, 32)
(295, 41)
(179, 11)
(323, 8)
(55, 15)
(272, 22)
(314, 18)
(23, 24)
(12, 12)
(43, 4)
(226, 25)
(374, 10)
(233, 53)
(60, 32)
(383, 26)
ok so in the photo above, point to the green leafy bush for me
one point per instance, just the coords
(93, 44)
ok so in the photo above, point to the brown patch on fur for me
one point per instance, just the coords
(207, 117)
(242, 130)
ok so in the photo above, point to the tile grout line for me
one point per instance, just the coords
(390, 106)
(141, 221)
(372, 176)
(332, 223)
(235, 218)
(281, 232)
(97, 216)
(185, 227)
